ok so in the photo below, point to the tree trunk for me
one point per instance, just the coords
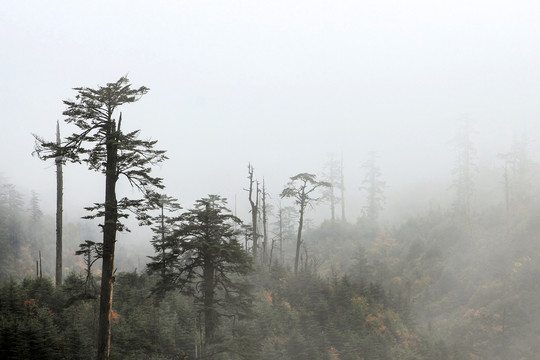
(254, 231)
(332, 204)
(59, 202)
(265, 231)
(209, 312)
(299, 238)
(254, 217)
(162, 239)
(109, 240)
(281, 258)
(254, 210)
(342, 188)
(507, 197)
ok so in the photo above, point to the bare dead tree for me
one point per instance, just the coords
(253, 196)
(265, 222)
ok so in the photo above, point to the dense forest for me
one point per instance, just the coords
(456, 281)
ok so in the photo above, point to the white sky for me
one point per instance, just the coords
(280, 84)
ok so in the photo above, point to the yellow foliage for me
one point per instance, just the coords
(370, 318)
(287, 305)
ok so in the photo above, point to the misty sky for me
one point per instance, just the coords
(281, 84)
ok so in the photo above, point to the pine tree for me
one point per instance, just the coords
(103, 146)
(374, 186)
(332, 174)
(162, 224)
(301, 188)
(204, 259)
(59, 209)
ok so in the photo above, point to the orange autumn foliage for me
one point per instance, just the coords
(278, 340)
(334, 353)
(114, 317)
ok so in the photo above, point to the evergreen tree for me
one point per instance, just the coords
(14, 202)
(374, 187)
(105, 147)
(332, 173)
(35, 212)
(204, 259)
(302, 188)
(91, 252)
(162, 223)
(59, 208)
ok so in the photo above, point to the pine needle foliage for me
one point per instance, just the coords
(204, 259)
(103, 145)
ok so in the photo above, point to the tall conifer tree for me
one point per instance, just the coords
(103, 146)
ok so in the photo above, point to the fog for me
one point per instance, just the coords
(281, 85)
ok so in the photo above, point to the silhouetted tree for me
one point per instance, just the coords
(34, 227)
(253, 196)
(35, 211)
(91, 252)
(203, 258)
(162, 223)
(342, 189)
(332, 175)
(302, 189)
(105, 147)
(517, 181)
(284, 228)
(13, 232)
(374, 187)
(265, 208)
(59, 209)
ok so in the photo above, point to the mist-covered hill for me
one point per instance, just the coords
(443, 283)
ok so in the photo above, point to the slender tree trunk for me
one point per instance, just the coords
(272, 243)
(507, 197)
(254, 210)
(163, 238)
(332, 203)
(342, 188)
(299, 238)
(209, 312)
(59, 202)
(109, 240)
(281, 234)
(88, 270)
(332, 181)
(264, 219)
